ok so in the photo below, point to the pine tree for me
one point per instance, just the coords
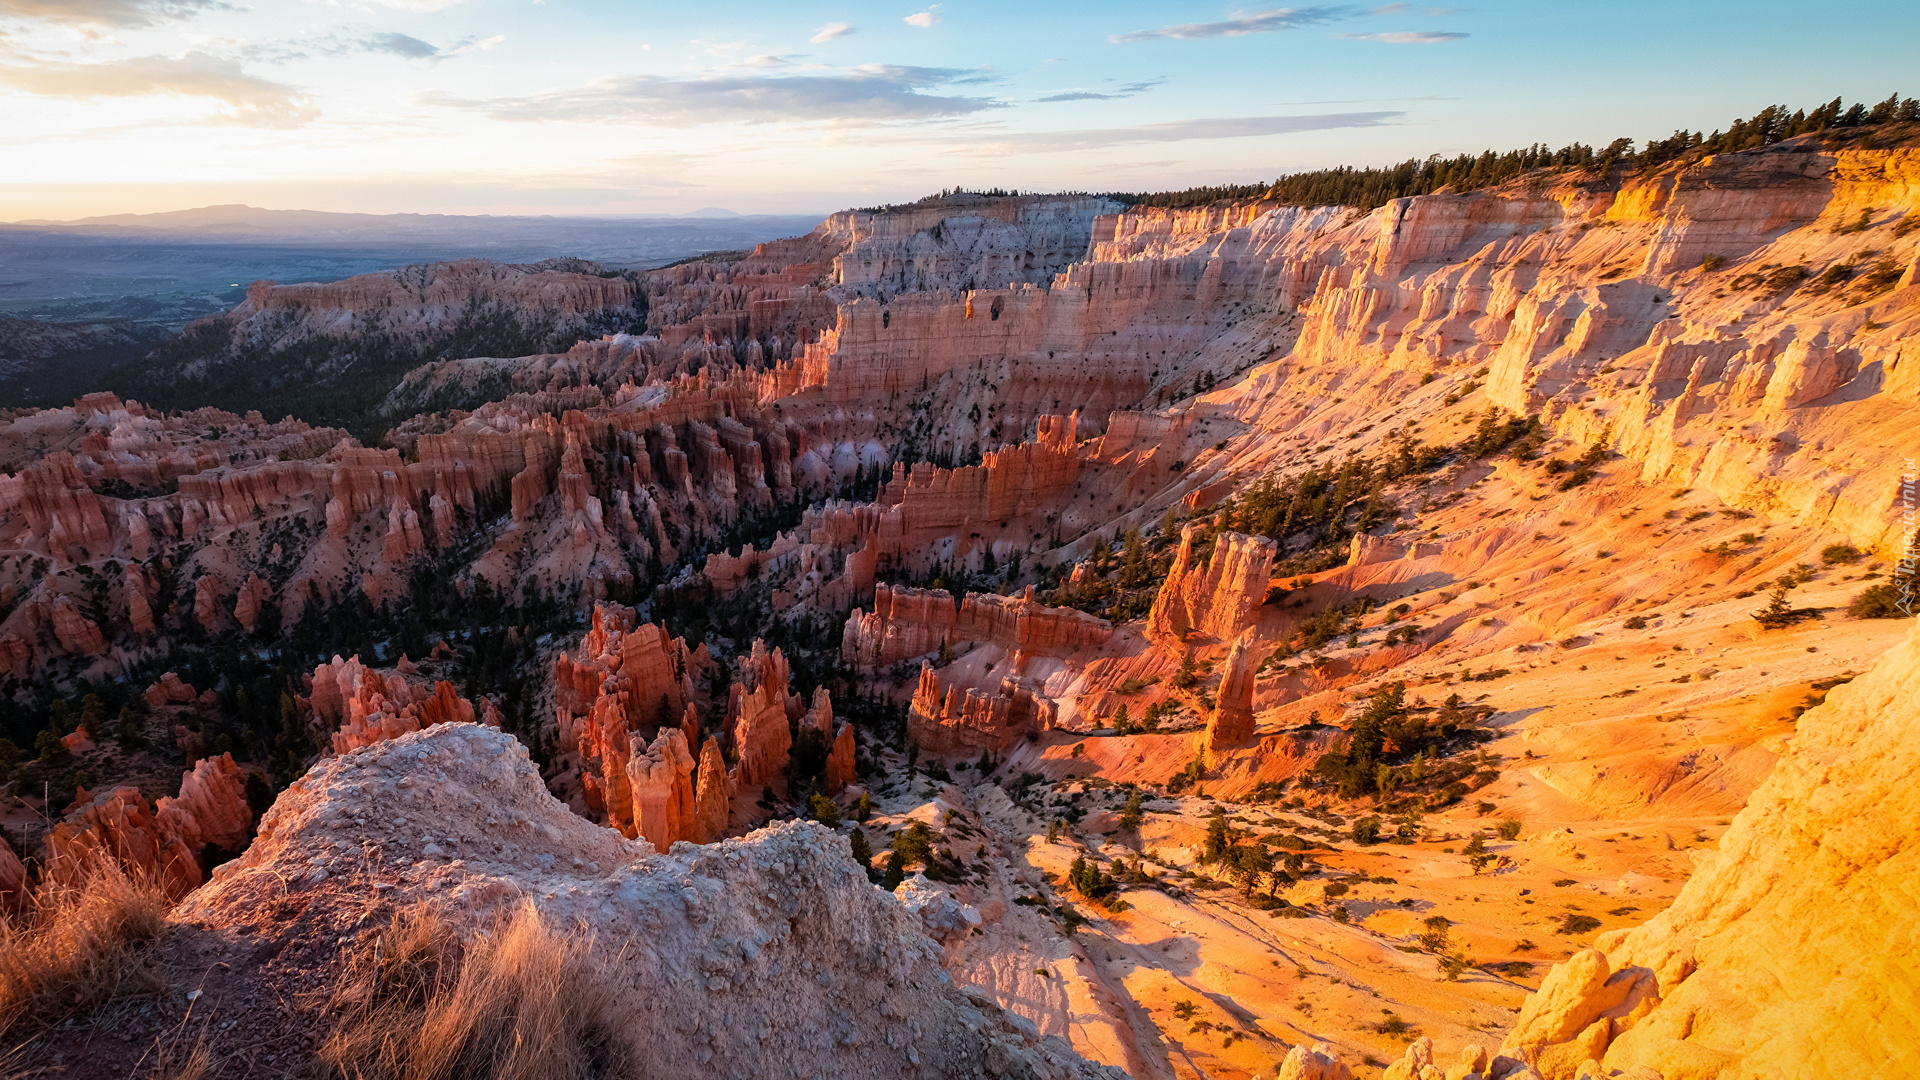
(1131, 814)
(1218, 837)
(862, 850)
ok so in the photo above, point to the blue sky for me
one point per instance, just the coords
(611, 107)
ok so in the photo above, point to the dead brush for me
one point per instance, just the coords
(82, 944)
(518, 1002)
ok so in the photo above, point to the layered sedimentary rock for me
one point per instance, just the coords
(951, 721)
(1789, 952)
(841, 756)
(839, 548)
(1586, 301)
(701, 953)
(961, 242)
(906, 623)
(166, 840)
(1217, 598)
(421, 308)
(359, 705)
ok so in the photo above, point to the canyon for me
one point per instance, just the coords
(1454, 637)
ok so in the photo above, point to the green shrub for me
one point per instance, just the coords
(1877, 602)
(1571, 923)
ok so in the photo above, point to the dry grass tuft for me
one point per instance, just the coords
(518, 1003)
(82, 946)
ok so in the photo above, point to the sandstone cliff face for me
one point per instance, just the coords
(960, 243)
(1216, 598)
(906, 623)
(776, 939)
(1788, 953)
(314, 331)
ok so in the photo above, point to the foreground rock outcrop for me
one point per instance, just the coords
(1790, 952)
(735, 955)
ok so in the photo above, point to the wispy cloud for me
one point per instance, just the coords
(869, 94)
(1238, 127)
(400, 45)
(832, 31)
(420, 5)
(249, 99)
(1408, 37)
(923, 19)
(1259, 22)
(405, 46)
(113, 13)
(1126, 91)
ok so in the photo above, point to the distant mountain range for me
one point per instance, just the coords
(321, 226)
(80, 296)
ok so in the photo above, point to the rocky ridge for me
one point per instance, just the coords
(726, 950)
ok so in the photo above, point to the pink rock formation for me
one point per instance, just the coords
(1217, 599)
(840, 760)
(361, 706)
(75, 632)
(713, 798)
(254, 595)
(169, 691)
(665, 809)
(418, 299)
(949, 722)
(838, 771)
(206, 602)
(627, 684)
(1232, 721)
(165, 840)
(139, 609)
(757, 717)
(653, 671)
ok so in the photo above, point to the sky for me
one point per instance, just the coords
(614, 107)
